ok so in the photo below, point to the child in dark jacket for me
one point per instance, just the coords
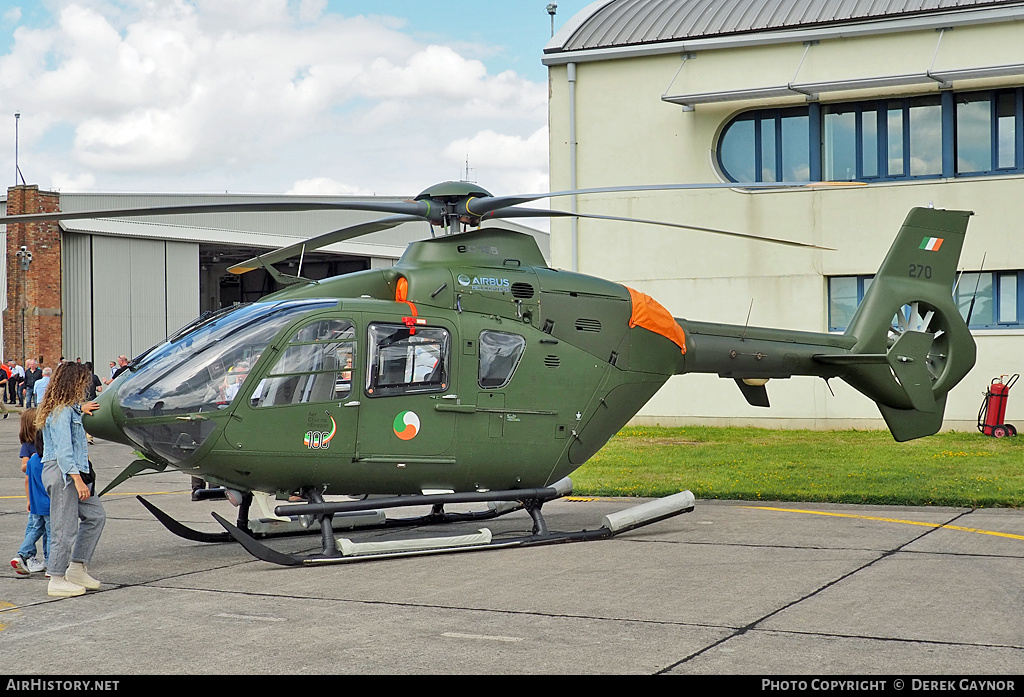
(26, 561)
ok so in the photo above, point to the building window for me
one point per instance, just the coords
(995, 296)
(947, 135)
(767, 146)
(987, 124)
(844, 296)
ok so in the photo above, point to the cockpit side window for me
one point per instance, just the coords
(316, 366)
(202, 370)
(499, 356)
(404, 360)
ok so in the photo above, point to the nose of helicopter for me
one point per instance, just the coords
(105, 422)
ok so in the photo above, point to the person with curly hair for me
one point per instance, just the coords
(76, 514)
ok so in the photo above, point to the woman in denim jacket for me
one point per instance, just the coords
(76, 515)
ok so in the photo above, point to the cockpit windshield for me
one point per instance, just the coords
(203, 367)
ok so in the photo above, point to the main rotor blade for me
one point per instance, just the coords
(340, 235)
(482, 206)
(415, 208)
(540, 213)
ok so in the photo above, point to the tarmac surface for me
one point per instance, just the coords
(761, 588)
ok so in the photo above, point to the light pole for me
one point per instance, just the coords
(25, 257)
(552, 8)
(17, 169)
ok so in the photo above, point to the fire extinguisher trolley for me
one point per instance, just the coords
(993, 408)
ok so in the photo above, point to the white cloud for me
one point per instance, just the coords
(325, 186)
(12, 15)
(488, 147)
(60, 181)
(231, 91)
(519, 164)
(311, 10)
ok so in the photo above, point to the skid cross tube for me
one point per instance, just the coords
(543, 494)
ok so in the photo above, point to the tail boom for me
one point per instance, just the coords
(906, 347)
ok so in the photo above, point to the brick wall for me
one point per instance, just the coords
(32, 321)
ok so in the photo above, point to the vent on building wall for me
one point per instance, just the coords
(588, 325)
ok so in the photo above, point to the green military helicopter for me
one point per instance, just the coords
(471, 372)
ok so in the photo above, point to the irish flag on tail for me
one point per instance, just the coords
(932, 244)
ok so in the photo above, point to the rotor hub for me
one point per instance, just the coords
(448, 204)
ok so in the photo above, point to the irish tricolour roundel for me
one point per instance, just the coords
(407, 425)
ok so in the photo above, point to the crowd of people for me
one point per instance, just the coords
(24, 385)
(64, 511)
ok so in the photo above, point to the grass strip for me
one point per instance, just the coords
(751, 464)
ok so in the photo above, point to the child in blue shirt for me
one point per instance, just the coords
(26, 561)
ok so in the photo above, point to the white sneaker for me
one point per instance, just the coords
(35, 565)
(79, 575)
(63, 588)
(19, 565)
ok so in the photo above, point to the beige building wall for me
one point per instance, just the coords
(628, 135)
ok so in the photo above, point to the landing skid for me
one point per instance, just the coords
(258, 529)
(344, 551)
(183, 530)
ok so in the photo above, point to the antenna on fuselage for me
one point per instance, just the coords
(746, 324)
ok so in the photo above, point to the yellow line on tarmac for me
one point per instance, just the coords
(143, 493)
(4, 606)
(891, 520)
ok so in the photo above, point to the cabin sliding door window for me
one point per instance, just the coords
(406, 360)
(499, 356)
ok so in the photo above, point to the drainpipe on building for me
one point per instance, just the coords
(573, 222)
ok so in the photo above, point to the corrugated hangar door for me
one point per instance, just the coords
(76, 297)
(122, 295)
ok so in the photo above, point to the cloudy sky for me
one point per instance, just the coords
(274, 96)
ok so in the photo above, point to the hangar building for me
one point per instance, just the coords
(922, 101)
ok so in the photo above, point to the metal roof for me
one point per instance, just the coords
(607, 24)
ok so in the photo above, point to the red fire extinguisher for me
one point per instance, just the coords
(993, 408)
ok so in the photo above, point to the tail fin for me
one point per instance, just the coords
(912, 345)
